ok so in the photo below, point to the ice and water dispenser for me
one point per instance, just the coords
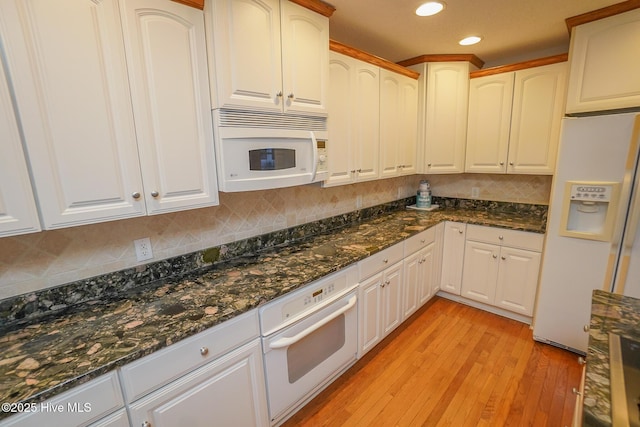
(589, 210)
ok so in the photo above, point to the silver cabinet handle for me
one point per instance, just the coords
(204, 351)
(154, 194)
(586, 328)
(135, 195)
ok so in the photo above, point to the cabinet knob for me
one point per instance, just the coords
(290, 96)
(422, 241)
(585, 328)
(503, 258)
(135, 195)
(581, 360)
(386, 261)
(576, 391)
(501, 237)
(359, 170)
(146, 424)
(495, 256)
(429, 165)
(154, 194)
(511, 163)
(460, 231)
(501, 163)
(279, 94)
(204, 351)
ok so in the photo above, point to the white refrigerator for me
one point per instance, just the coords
(592, 240)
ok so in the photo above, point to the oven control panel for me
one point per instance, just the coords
(299, 303)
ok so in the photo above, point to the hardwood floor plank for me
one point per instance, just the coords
(451, 365)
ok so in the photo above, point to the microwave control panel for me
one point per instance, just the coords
(321, 144)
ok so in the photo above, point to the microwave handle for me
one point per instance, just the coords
(315, 155)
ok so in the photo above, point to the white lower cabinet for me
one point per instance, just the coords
(226, 392)
(380, 297)
(452, 257)
(420, 270)
(501, 268)
(96, 403)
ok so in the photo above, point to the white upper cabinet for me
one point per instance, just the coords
(489, 119)
(538, 102)
(353, 120)
(604, 64)
(67, 64)
(444, 99)
(166, 52)
(514, 120)
(398, 124)
(268, 55)
(18, 213)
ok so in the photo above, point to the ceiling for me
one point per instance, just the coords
(512, 30)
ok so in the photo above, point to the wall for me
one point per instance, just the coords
(40, 260)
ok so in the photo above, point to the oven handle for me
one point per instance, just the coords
(286, 342)
(315, 156)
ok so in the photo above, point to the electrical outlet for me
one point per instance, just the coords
(358, 201)
(475, 192)
(143, 249)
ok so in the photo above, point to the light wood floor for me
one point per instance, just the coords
(452, 365)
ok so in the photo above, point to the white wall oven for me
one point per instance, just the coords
(262, 151)
(309, 338)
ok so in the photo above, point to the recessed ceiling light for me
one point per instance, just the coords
(429, 8)
(470, 40)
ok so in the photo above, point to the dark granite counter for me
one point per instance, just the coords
(49, 346)
(609, 313)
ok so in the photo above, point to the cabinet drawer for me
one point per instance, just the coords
(378, 262)
(419, 241)
(504, 237)
(79, 406)
(149, 373)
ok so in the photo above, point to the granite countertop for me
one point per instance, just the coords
(46, 356)
(609, 313)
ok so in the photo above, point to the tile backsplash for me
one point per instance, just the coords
(37, 261)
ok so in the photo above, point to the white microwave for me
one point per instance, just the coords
(259, 159)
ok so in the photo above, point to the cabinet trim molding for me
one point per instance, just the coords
(604, 12)
(317, 6)
(198, 4)
(443, 58)
(520, 65)
(353, 52)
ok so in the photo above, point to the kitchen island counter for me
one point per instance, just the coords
(48, 354)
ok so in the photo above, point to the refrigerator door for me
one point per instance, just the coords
(591, 149)
(627, 274)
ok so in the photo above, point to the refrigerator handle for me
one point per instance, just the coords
(633, 217)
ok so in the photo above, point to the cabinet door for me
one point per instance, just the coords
(604, 64)
(392, 298)
(165, 43)
(245, 35)
(446, 117)
(370, 314)
(490, 100)
(227, 392)
(366, 123)
(480, 271)
(408, 126)
(305, 59)
(536, 115)
(341, 120)
(428, 274)
(517, 280)
(18, 213)
(452, 257)
(67, 64)
(412, 283)
(390, 134)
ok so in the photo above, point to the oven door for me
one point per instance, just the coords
(302, 358)
(260, 159)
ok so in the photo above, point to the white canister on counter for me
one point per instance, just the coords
(423, 199)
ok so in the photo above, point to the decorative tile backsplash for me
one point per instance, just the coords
(41, 260)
